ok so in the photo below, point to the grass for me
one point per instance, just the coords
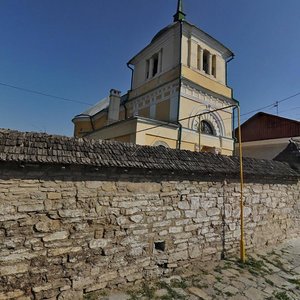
(268, 281)
(146, 291)
(282, 296)
(94, 295)
(204, 272)
(254, 266)
(171, 293)
(218, 269)
(294, 281)
(179, 284)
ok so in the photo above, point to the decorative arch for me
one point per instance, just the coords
(213, 119)
(161, 143)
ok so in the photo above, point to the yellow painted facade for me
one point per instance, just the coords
(179, 75)
(206, 82)
(152, 84)
(163, 110)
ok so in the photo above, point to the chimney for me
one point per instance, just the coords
(114, 106)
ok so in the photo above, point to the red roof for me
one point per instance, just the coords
(263, 126)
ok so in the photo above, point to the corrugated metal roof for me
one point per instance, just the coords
(102, 105)
(99, 106)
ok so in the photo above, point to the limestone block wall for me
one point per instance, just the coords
(66, 232)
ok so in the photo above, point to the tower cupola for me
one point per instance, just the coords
(180, 15)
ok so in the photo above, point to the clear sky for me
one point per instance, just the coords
(78, 49)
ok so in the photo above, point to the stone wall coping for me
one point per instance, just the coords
(42, 148)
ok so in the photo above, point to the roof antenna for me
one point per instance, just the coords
(180, 15)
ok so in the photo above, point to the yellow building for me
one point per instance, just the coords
(179, 75)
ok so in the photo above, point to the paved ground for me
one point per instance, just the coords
(269, 274)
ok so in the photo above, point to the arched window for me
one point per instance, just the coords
(206, 128)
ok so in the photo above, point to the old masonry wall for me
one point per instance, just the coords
(66, 232)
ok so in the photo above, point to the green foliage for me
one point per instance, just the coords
(146, 292)
(172, 293)
(268, 281)
(282, 296)
(294, 281)
(255, 267)
(179, 284)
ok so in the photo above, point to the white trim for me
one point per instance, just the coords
(199, 96)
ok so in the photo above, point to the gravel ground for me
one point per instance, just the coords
(268, 274)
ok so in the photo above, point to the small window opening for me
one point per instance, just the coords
(205, 61)
(214, 66)
(155, 65)
(163, 265)
(160, 245)
(199, 58)
(147, 68)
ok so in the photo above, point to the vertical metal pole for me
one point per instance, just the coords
(242, 242)
(199, 133)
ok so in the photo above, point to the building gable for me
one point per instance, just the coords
(263, 126)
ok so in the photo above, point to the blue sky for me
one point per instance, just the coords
(78, 49)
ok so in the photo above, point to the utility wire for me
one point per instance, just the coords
(273, 104)
(265, 107)
(43, 94)
(183, 119)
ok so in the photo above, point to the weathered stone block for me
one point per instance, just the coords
(99, 233)
(12, 217)
(54, 196)
(94, 287)
(108, 186)
(182, 255)
(98, 243)
(195, 251)
(6, 209)
(175, 229)
(191, 227)
(72, 213)
(31, 207)
(195, 202)
(93, 184)
(70, 295)
(11, 295)
(190, 213)
(79, 283)
(137, 218)
(173, 214)
(38, 289)
(13, 269)
(144, 187)
(61, 235)
(213, 211)
(47, 226)
(63, 250)
(183, 205)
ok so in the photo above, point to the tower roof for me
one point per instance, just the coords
(180, 15)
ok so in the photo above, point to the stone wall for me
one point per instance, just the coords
(65, 232)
